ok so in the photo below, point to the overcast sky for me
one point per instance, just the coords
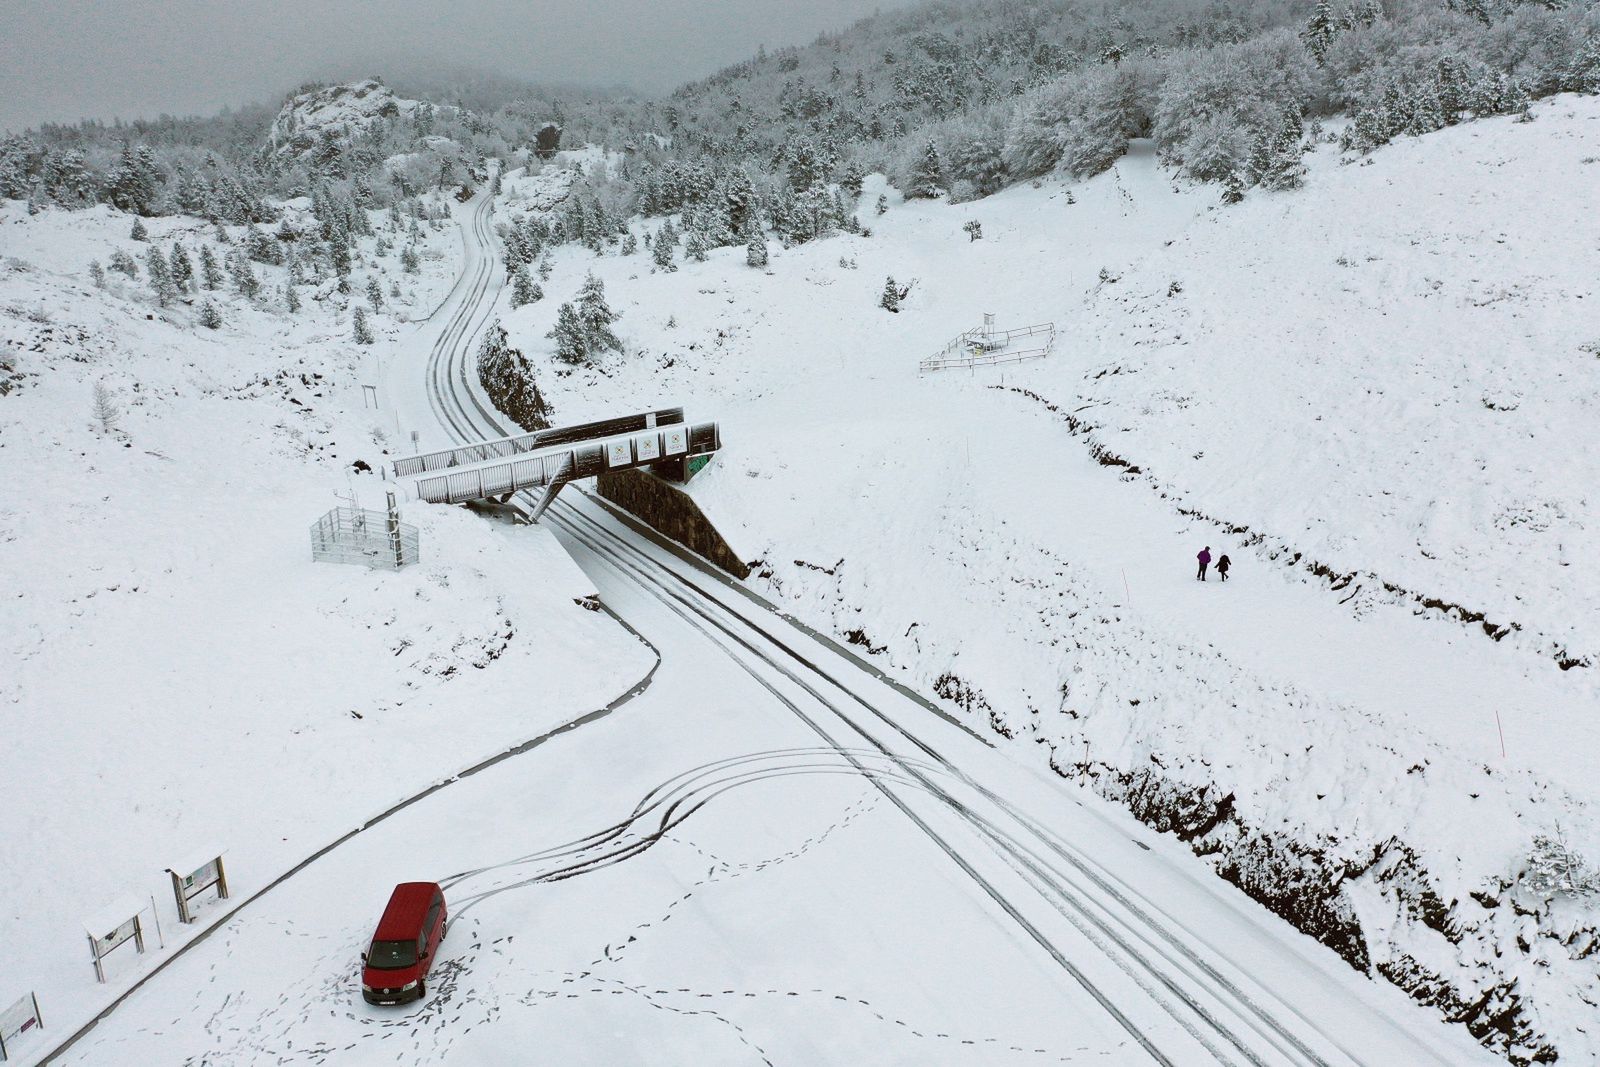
(62, 60)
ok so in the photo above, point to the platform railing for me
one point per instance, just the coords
(980, 348)
(506, 447)
(586, 459)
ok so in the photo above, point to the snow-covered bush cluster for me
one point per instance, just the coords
(1555, 869)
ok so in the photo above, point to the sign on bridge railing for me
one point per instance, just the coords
(585, 459)
(506, 447)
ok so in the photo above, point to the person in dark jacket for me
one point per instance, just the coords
(1205, 560)
(1222, 566)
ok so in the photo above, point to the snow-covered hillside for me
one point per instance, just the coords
(1387, 376)
(335, 111)
(179, 675)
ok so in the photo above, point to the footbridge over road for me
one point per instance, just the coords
(549, 459)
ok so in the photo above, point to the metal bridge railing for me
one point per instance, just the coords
(506, 447)
(584, 460)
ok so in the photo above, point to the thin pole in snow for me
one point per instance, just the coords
(1126, 592)
(157, 915)
(1502, 730)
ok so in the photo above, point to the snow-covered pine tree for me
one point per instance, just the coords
(596, 317)
(661, 251)
(408, 259)
(630, 245)
(210, 272)
(361, 330)
(1275, 155)
(291, 298)
(1583, 73)
(927, 178)
(123, 263)
(882, 206)
(210, 317)
(852, 178)
(1232, 188)
(262, 246)
(138, 233)
(507, 378)
(755, 252)
(1520, 101)
(243, 275)
(1320, 31)
(545, 267)
(182, 268)
(104, 408)
(571, 346)
(694, 244)
(890, 300)
(97, 274)
(974, 230)
(192, 193)
(524, 290)
(160, 277)
(807, 167)
(374, 294)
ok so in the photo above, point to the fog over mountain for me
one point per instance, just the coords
(63, 60)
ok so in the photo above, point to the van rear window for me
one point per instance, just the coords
(392, 955)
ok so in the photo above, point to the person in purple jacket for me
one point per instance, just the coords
(1205, 560)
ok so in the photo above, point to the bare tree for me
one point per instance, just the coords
(106, 412)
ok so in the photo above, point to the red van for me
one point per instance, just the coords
(396, 964)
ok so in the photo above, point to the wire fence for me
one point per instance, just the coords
(980, 347)
(370, 538)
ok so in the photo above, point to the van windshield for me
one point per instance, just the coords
(392, 955)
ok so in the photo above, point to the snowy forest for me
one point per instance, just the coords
(946, 98)
(949, 100)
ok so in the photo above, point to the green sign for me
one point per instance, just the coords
(696, 465)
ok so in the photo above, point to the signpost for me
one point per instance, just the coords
(115, 927)
(193, 879)
(21, 1018)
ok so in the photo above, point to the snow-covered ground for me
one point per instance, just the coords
(1389, 373)
(768, 898)
(1019, 541)
(762, 881)
(178, 675)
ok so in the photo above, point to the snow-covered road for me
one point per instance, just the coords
(771, 856)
